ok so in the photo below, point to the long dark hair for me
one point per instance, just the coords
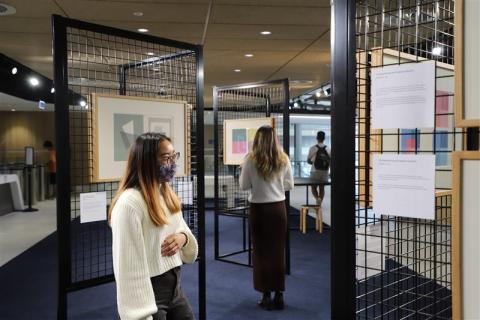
(267, 154)
(141, 174)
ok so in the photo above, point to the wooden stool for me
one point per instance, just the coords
(318, 220)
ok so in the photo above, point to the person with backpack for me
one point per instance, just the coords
(319, 158)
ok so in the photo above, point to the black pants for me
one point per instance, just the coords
(171, 302)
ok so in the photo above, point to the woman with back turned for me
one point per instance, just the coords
(150, 238)
(268, 174)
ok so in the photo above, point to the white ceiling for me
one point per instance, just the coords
(298, 48)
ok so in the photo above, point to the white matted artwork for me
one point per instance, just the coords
(465, 236)
(238, 135)
(119, 120)
(467, 65)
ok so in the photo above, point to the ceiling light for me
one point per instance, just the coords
(14, 70)
(300, 82)
(83, 103)
(436, 51)
(237, 70)
(34, 81)
(318, 94)
(266, 32)
(150, 53)
(52, 90)
(295, 105)
(138, 13)
(142, 30)
(248, 55)
(6, 10)
(13, 110)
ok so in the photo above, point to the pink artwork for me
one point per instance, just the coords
(441, 109)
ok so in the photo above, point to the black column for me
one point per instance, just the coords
(343, 159)
(200, 172)
(62, 137)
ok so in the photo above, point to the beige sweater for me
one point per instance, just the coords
(137, 254)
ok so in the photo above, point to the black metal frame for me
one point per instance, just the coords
(62, 133)
(241, 212)
(343, 82)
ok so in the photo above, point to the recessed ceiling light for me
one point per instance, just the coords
(266, 32)
(248, 55)
(142, 30)
(14, 70)
(437, 51)
(34, 81)
(237, 70)
(301, 81)
(138, 13)
(6, 10)
(83, 103)
(52, 90)
(150, 53)
(13, 110)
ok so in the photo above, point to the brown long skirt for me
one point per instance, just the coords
(268, 225)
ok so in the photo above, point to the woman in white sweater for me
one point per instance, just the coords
(268, 174)
(150, 238)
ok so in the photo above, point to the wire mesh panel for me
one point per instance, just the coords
(403, 265)
(102, 60)
(268, 99)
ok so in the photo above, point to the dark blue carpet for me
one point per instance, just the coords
(400, 293)
(28, 282)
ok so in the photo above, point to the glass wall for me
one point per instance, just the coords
(303, 135)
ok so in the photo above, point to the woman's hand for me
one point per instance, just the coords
(173, 243)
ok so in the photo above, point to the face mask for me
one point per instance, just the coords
(166, 172)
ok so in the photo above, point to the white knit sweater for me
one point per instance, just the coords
(263, 191)
(137, 253)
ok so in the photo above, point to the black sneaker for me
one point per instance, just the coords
(278, 302)
(266, 302)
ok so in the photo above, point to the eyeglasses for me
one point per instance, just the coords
(170, 158)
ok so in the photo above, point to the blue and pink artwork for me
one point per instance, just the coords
(239, 143)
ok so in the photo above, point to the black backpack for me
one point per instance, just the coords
(322, 159)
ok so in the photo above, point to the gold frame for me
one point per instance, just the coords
(94, 174)
(225, 162)
(460, 121)
(457, 299)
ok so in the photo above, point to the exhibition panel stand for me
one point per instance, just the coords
(124, 84)
(403, 237)
(238, 111)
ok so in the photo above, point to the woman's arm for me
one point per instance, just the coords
(189, 251)
(288, 177)
(244, 180)
(135, 297)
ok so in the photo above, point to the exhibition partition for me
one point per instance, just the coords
(403, 266)
(238, 111)
(129, 83)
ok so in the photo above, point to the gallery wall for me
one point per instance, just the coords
(20, 129)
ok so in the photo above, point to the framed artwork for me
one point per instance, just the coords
(238, 135)
(119, 120)
(465, 235)
(467, 45)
